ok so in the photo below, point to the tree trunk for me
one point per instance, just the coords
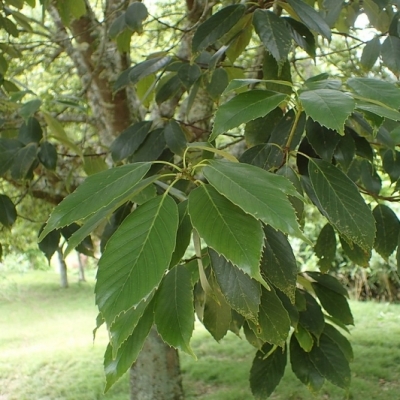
(81, 269)
(156, 374)
(62, 268)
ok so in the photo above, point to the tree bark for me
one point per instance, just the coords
(156, 374)
(62, 268)
(81, 269)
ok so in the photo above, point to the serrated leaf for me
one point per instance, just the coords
(390, 52)
(130, 267)
(329, 107)
(240, 291)
(312, 318)
(344, 151)
(129, 140)
(277, 77)
(151, 149)
(239, 44)
(243, 108)
(342, 203)
(322, 140)
(371, 52)
(303, 368)
(267, 371)
(48, 155)
(335, 304)
(8, 212)
(125, 324)
(325, 247)
(115, 367)
(376, 89)
(216, 26)
(85, 246)
(380, 110)
(278, 264)
(273, 33)
(174, 313)
(175, 137)
(97, 192)
(355, 253)
(387, 230)
(30, 131)
(227, 229)
(340, 340)
(217, 315)
(311, 18)
(273, 320)
(289, 306)
(218, 83)
(268, 156)
(251, 337)
(331, 362)
(302, 36)
(329, 282)
(50, 243)
(257, 192)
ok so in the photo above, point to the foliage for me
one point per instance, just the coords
(328, 142)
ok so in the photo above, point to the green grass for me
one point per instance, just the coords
(46, 350)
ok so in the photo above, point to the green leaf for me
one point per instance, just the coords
(216, 26)
(273, 33)
(48, 155)
(290, 308)
(302, 36)
(125, 324)
(96, 193)
(268, 157)
(86, 245)
(174, 313)
(342, 203)
(376, 109)
(243, 108)
(136, 257)
(168, 88)
(24, 160)
(239, 44)
(267, 371)
(30, 131)
(387, 230)
(129, 140)
(322, 140)
(8, 212)
(304, 338)
(184, 233)
(329, 282)
(217, 313)
(188, 74)
(152, 147)
(251, 337)
(135, 14)
(218, 83)
(278, 264)
(325, 248)
(311, 18)
(117, 26)
(227, 229)
(58, 132)
(391, 164)
(390, 52)
(256, 192)
(355, 253)
(340, 340)
(335, 304)
(29, 108)
(344, 151)
(78, 8)
(240, 291)
(303, 368)
(331, 362)
(312, 318)
(175, 137)
(273, 320)
(115, 367)
(93, 164)
(371, 52)
(277, 77)
(50, 243)
(376, 89)
(8, 150)
(329, 107)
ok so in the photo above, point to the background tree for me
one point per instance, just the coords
(161, 176)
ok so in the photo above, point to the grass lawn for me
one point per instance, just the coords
(46, 350)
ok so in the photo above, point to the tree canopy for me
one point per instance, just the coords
(189, 142)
